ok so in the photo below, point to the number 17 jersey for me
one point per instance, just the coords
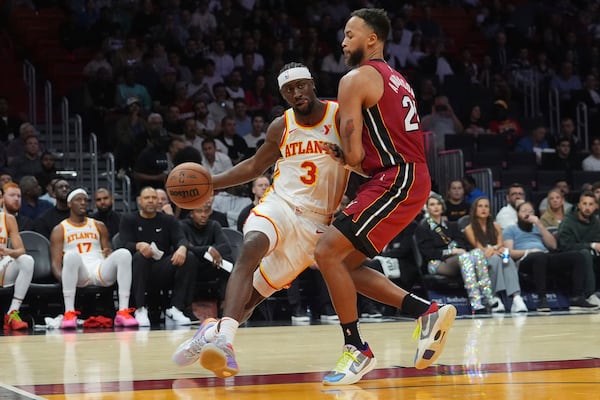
(305, 176)
(85, 240)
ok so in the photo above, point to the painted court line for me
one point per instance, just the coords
(21, 393)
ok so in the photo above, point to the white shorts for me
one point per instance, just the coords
(6, 279)
(292, 241)
(93, 276)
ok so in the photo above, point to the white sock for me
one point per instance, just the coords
(210, 333)
(15, 305)
(69, 301)
(123, 300)
(122, 258)
(70, 275)
(228, 327)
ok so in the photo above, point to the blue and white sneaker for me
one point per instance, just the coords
(189, 351)
(219, 357)
(351, 366)
(432, 331)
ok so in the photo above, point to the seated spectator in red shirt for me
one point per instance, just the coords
(258, 97)
(503, 124)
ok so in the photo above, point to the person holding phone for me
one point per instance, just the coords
(441, 121)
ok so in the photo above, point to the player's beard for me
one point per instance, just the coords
(355, 57)
(309, 107)
(524, 225)
(106, 209)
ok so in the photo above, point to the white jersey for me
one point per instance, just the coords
(3, 231)
(305, 176)
(83, 239)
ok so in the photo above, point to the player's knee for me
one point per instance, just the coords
(122, 256)
(26, 264)
(256, 246)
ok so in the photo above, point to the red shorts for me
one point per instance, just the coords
(384, 206)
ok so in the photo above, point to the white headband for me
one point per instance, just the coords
(75, 193)
(293, 74)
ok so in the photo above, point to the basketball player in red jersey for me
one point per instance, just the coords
(381, 138)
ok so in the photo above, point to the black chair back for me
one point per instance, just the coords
(38, 247)
(236, 240)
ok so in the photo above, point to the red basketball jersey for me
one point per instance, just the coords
(392, 130)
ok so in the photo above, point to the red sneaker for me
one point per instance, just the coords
(125, 319)
(69, 320)
(13, 321)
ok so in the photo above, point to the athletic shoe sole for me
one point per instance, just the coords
(214, 359)
(435, 342)
(371, 315)
(583, 308)
(180, 356)
(301, 319)
(126, 322)
(354, 378)
(183, 356)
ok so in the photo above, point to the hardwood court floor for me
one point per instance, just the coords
(528, 357)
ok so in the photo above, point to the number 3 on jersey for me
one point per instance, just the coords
(311, 173)
(84, 247)
(411, 120)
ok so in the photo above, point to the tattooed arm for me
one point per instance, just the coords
(351, 93)
(359, 89)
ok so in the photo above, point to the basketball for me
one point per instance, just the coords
(189, 185)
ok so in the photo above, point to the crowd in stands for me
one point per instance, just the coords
(182, 80)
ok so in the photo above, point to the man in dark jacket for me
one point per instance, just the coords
(580, 230)
(55, 215)
(160, 258)
(104, 211)
(206, 236)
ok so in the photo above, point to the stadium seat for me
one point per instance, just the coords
(236, 240)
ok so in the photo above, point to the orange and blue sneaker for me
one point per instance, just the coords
(13, 321)
(69, 320)
(125, 319)
(218, 357)
(432, 331)
(351, 366)
(188, 352)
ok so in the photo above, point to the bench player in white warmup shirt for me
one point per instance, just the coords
(82, 256)
(16, 269)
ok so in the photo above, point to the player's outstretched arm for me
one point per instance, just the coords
(251, 168)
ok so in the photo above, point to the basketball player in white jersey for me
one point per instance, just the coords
(281, 231)
(82, 256)
(16, 269)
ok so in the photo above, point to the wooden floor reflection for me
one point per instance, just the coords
(533, 357)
